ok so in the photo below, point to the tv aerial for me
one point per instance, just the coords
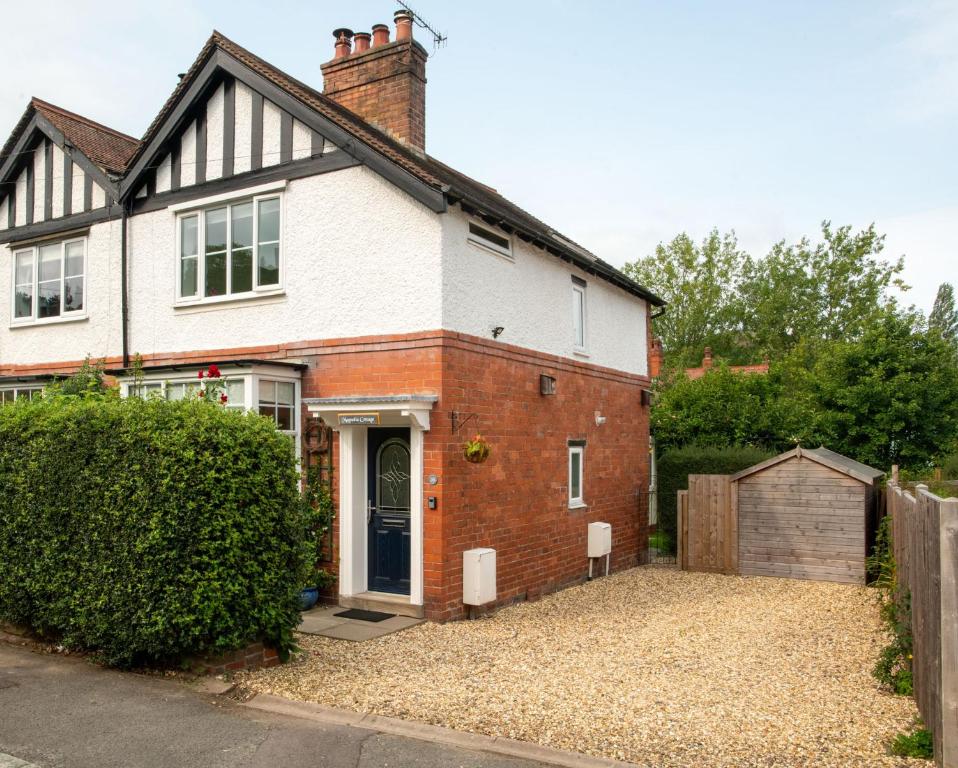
(438, 39)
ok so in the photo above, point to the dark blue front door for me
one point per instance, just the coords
(388, 504)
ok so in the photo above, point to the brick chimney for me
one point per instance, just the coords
(385, 82)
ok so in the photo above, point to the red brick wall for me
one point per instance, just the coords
(516, 502)
(386, 86)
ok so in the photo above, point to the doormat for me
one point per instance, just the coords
(361, 615)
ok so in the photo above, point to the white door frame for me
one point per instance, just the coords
(397, 411)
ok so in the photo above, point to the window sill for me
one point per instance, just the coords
(48, 321)
(581, 353)
(578, 505)
(219, 301)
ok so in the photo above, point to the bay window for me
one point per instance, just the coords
(49, 282)
(229, 250)
(269, 389)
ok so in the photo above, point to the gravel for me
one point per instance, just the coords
(654, 666)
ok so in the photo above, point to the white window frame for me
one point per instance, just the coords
(65, 316)
(576, 502)
(199, 210)
(579, 299)
(479, 241)
(250, 376)
(24, 390)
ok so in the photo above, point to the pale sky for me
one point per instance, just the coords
(620, 124)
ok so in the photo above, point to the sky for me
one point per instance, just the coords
(621, 123)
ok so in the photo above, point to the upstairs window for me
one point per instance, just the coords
(49, 282)
(578, 314)
(486, 238)
(229, 250)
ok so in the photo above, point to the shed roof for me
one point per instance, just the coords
(823, 456)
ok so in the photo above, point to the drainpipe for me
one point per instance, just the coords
(124, 309)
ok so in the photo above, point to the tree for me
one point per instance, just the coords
(890, 397)
(699, 283)
(831, 290)
(944, 316)
(724, 408)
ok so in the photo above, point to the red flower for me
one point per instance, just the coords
(200, 375)
(224, 399)
(214, 372)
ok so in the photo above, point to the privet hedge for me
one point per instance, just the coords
(148, 531)
(676, 464)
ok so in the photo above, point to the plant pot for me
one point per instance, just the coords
(308, 597)
(478, 455)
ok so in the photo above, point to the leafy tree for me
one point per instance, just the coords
(724, 408)
(944, 316)
(890, 397)
(699, 284)
(831, 290)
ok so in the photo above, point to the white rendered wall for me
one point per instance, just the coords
(188, 156)
(302, 141)
(214, 134)
(360, 258)
(57, 180)
(531, 298)
(98, 335)
(76, 191)
(243, 141)
(39, 181)
(271, 133)
(21, 211)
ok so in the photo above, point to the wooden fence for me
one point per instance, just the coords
(708, 525)
(925, 542)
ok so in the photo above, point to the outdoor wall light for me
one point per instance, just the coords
(599, 419)
(547, 384)
(497, 331)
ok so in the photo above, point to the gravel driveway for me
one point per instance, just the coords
(654, 666)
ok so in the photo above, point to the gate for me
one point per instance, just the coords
(708, 525)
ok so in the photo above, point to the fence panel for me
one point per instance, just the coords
(925, 543)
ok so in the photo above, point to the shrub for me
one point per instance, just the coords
(675, 465)
(148, 531)
(917, 744)
(893, 668)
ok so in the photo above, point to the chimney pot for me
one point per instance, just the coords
(362, 42)
(344, 42)
(380, 34)
(403, 25)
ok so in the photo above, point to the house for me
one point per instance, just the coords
(306, 243)
(656, 357)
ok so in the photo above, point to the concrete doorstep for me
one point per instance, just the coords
(432, 733)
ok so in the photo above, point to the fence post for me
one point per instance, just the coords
(948, 511)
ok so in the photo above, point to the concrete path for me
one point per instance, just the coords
(324, 621)
(60, 712)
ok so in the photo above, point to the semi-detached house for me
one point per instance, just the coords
(305, 243)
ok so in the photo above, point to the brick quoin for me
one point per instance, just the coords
(517, 501)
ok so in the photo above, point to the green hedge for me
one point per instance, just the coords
(148, 531)
(675, 465)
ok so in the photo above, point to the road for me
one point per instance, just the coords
(58, 712)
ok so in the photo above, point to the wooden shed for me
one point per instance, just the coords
(807, 514)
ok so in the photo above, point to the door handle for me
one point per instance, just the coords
(369, 511)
